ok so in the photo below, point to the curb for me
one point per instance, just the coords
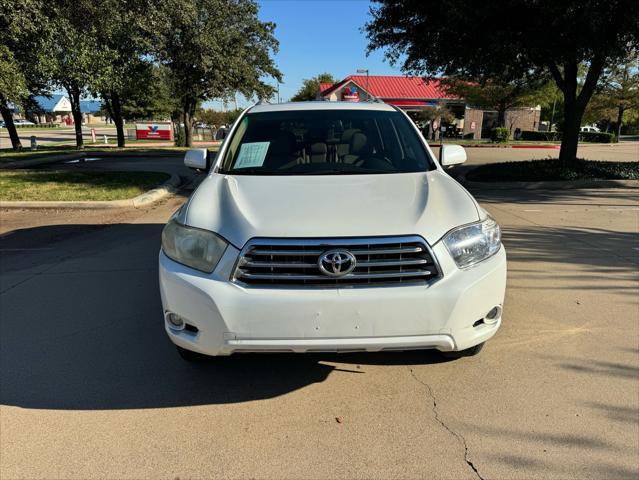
(143, 200)
(537, 146)
(548, 185)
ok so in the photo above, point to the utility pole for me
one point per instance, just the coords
(362, 70)
(278, 92)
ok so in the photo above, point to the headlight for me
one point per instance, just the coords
(193, 247)
(473, 243)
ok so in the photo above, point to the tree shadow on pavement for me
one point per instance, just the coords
(81, 327)
(597, 259)
(609, 197)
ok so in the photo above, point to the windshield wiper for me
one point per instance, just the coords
(337, 171)
(251, 171)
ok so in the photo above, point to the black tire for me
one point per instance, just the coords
(469, 352)
(191, 356)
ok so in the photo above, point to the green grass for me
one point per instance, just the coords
(73, 186)
(8, 155)
(544, 170)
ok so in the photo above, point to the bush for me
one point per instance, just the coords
(597, 137)
(540, 136)
(180, 137)
(544, 170)
(500, 135)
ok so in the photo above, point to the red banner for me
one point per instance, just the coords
(153, 131)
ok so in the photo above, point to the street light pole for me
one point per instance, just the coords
(362, 70)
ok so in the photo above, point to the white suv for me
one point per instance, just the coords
(329, 227)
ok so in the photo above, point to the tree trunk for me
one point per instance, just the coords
(118, 120)
(188, 131)
(570, 136)
(74, 98)
(501, 116)
(619, 121)
(575, 105)
(7, 116)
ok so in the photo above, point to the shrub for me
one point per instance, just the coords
(180, 137)
(540, 136)
(545, 170)
(500, 135)
(597, 137)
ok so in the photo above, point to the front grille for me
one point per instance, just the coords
(294, 263)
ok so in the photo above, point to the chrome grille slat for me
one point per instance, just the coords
(382, 261)
(350, 276)
(387, 251)
(389, 263)
(286, 252)
(267, 264)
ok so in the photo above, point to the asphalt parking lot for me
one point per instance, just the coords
(91, 387)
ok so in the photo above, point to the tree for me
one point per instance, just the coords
(24, 64)
(539, 38)
(429, 114)
(620, 91)
(495, 94)
(214, 48)
(75, 53)
(149, 96)
(310, 87)
(125, 77)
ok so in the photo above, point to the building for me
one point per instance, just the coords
(414, 94)
(57, 109)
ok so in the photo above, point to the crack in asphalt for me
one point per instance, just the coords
(460, 438)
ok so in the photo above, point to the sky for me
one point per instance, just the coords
(319, 36)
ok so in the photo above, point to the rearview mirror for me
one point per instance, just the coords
(452, 155)
(197, 158)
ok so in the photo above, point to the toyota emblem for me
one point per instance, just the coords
(336, 263)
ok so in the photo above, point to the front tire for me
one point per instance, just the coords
(469, 352)
(191, 356)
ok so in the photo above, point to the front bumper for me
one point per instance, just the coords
(230, 318)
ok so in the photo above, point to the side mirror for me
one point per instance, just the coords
(452, 155)
(198, 159)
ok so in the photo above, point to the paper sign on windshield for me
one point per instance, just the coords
(252, 155)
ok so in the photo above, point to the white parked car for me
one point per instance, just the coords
(329, 227)
(589, 128)
(22, 123)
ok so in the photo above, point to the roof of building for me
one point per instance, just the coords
(325, 86)
(319, 105)
(48, 103)
(394, 87)
(90, 106)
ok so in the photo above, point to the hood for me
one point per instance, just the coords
(242, 207)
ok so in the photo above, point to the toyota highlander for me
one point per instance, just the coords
(329, 226)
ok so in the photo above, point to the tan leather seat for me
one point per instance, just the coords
(318, 152)
(344, 145)
(356, 148)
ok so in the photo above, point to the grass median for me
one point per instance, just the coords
(24, 185)
(549, 170)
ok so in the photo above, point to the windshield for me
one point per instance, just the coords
(325, 142)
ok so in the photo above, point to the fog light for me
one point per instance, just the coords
(493, 315)
(175, 321)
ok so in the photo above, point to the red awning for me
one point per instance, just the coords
(409, 103)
